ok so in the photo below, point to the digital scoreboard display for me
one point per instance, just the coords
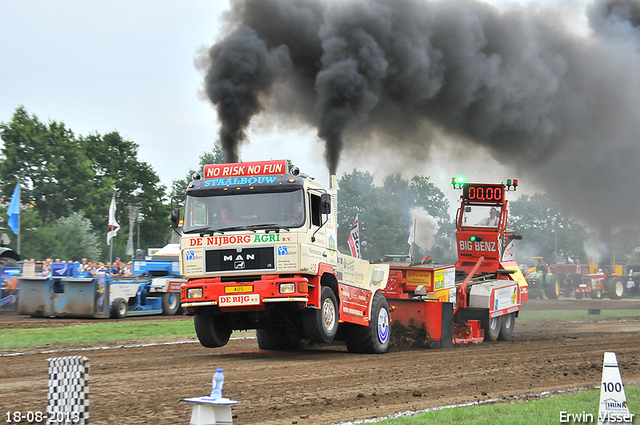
(473, 192)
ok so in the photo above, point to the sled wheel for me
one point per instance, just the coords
(278, 339)
(170, 303)
(372, 339)
(493, 328)
(506, 328)
(322, 325)
(210, 331)
(119, 308)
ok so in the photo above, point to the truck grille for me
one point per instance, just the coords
(239, 259)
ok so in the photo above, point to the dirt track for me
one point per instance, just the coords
(325, 385)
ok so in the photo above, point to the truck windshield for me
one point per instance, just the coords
(244, 211)
(481, 216)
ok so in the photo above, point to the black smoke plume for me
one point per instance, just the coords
(562, 108)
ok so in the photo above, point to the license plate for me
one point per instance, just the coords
(235, 300)
(238, 289)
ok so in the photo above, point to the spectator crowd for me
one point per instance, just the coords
(118, 268)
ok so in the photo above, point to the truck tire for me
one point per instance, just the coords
(615, 288)
(507, 326)
(278, 339)
(211, 333)
(372, 339)
(170, 303)
(492, 331)
(596, 294)
(119, 308)
(552, 291)
(321, 325)
(579, 295)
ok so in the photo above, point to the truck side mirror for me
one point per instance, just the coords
(325, 203)
(175, 218)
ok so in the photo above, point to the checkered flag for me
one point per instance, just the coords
(68, 397)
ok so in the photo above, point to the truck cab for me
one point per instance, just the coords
(258, 250)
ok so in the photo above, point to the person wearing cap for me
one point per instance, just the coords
(117, 267)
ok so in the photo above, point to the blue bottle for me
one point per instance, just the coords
(216, 385)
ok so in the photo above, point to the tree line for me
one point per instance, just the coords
(67, 182)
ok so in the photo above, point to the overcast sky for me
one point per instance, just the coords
(128, 66)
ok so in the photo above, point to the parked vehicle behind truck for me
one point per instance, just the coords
(258, 250)
(608, 281)
(153, 288)
(543, 283)
(9, 258)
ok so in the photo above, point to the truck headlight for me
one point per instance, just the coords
(194, 293)
(287, 288)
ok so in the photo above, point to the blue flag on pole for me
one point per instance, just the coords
(14, 210)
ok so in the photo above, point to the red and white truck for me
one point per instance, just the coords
(258, 250)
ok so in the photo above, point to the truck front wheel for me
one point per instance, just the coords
(322, 325)
(210, 331)
(372, 339)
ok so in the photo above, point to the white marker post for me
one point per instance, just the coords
(613, 401)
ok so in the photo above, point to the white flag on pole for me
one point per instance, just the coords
(113, 224)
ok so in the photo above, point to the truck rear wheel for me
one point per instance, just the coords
(278, 339)
(507, 326)
(322, 325)
(552, 291)
(119, 308)
(170, 303)
(492, 331)
(372, 339)
(211, 333)
(615, 288)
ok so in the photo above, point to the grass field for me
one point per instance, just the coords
(542, 411)
(95, 333)
(561, 315)
(129, 330)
